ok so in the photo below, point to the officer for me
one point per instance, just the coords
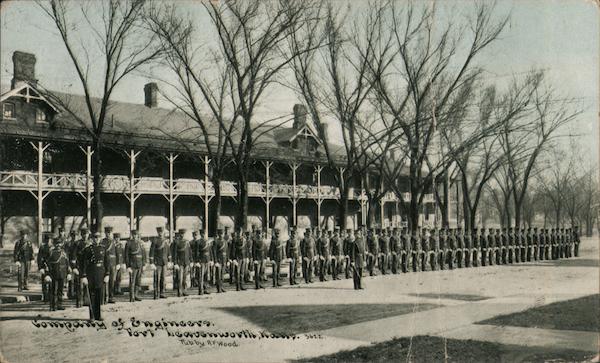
(348, 241)
(23, 255)
(568, 243)
(307, 248)
(384, 251)
(259, 250)
(121, 269)
(277, 256)
(94, 273)
(415, 249)
(134, 260)
(554, 243)
(110, 246)
(81, 294)
(451, 243)
(525, 243)
(424, 253)
(460, 247)
(160, 256)
(357, 251)
(220, 258)
(372, 251)
(324, 251)
(483, 245)
(535, 244)
(292, 251)
(576, 241)
(58, 268)
(507, 246)
(475, 254)
(337, 251)
(181, 254)
(498, 242)
(396, 249)
(42, 257)
(406, 250)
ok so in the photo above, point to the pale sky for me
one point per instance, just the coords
(561, 36)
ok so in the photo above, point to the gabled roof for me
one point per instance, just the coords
(27, 91)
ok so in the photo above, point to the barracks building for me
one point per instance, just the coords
(150, 178)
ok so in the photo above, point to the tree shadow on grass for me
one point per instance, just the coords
(297, 319)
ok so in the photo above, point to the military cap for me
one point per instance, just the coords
(61, 229)
(108, 229)
(182, 230)
(159, 229)
(348, 229)
(72, 233)
(134, 231)
(194, 233)
(117, 235)
(97, 234)
(84, 228)
(337, 228)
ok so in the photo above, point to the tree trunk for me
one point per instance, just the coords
(372, 212)
(217, 202)
(343, 209)
(445, 221)
(97, 206)
(242, 219)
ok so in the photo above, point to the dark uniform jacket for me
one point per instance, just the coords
(324, 247)
(396, 244)
(203, 251)
(406, 246)
(134, 254)
(292, 248)
(259, 249)
(277, 250)
(57, 262)
(238, 248)
(384, 244)
(94, 261)
(220, 250)
(337, 247)
(434, 243)
(77, 252)
(308, 247)
(23, 251)
(425, 243)
(357, 251)
(42, 256)
(181, 252)
(111, 249)
(373, 244)
(159, 251)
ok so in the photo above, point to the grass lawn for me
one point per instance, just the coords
(296, 319)
(432, 349)
(578, 314)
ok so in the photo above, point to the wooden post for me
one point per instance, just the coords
(40, 147)
(132, 195)
(206, 197)
(294, 166)
(88, 182)
(171, 198)
(267, 199)
(319, 168)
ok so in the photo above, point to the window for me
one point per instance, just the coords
(8, 110)
(40, 116)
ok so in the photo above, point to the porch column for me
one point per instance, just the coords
(294, 166)
(267, 199)
(171, 197)
(206, 197)
(319, 201)
(133, 196)
(40, 147)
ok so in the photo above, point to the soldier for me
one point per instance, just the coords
(57, 263)
(460, 247)
(424, 253)
(193, 267)
(372, 251)
(451, 243)
(71, 242)
(483, 244)
(498, 242)
(396, 248)
(204, 257)
(134, 260)
(258, 255)
(384, 251)
(568, 243)
(94, 262)
(348, 241)
(337, 251)
(292, 251)
(76, 264)
(23, 255)
(547, 243)
(561, 243)
(443, 251)
(249, 266)
(468, 247)
(277, 256)
(239, 258)
(120, 263)
(308, 249)
(110, 246)
(228, 240)
(535, 244)
(476, 247)
(406, 250)
(357, 251)
(324, 251)
(42, 257)
(416, 250)
(507, 246)
(434, 249)
(160, 256)
(554, 242)
(576, 241)
(524, 246)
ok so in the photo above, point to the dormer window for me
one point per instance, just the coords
(8, 110)
(40, 116)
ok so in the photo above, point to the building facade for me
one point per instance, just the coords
(151, 178)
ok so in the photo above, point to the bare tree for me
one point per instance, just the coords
(427, 88)
(106, 41)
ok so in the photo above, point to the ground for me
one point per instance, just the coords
(539, 311)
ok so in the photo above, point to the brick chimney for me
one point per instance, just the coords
(151, 95)
(299, 116)
(23, 68)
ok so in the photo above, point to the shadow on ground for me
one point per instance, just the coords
(578, 262)
(577, 314)
(435, 349)
(462, 297)
(296, 319)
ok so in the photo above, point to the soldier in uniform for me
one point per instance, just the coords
(160, 256)
(204, 257)
(239, 258)
(384, 251)
(451, 243)
(23, 255)
(546, 242)
(292, 251)
(443, 250)
(42, 257)
(507, 246)
(337, 251)
(372, 251)
(468, 251)
(576, 241)
(524, 246)
(357, 251)
(76, 264)
(94, 273)
(460, 248)
(324, 251)
(193, 267)
(554, 241)
(249, 266)
(68, 248)
(396, 248)
(561, 243)
(476, 248)
(406, 250)
(498, 241)
(535, 244)
(120, 263)
(348, 241)
(110, 246)
(181, 254)
(134, 260)
(57, 263)
(259, 250)
(308, 249)
(434, 249)
(277, 255)
(416, 250)
(483, 244)
(424, 242)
